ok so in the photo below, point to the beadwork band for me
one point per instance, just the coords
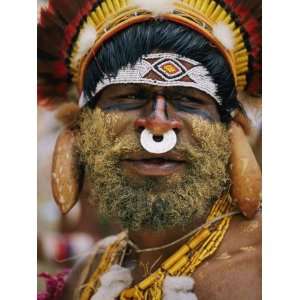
(163, 69)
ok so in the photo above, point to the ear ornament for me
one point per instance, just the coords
(245, 173)
(67, 175)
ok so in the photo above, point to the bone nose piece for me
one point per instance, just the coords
(158, 134)
(158, 144)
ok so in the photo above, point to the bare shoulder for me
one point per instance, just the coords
(234, 272)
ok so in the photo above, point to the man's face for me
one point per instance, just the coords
(154, 190)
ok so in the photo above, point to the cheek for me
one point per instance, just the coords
(120, 123)
(213, 111)
(197, 129)
(188, 134)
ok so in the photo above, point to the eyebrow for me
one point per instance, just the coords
(148, 89)
(193, 93)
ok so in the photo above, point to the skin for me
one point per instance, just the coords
(158, 109)
(233, 272)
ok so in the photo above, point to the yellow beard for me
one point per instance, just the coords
(153, 202)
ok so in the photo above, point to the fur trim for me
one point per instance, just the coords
(178, 288)
(68, 113)
(157, 7)
(113, 282)
(224, 35)
(86, 40)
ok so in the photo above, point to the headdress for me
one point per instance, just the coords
(71, 32)
(162, 69)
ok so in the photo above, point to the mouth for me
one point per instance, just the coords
(145, 164)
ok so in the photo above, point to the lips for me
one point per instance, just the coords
(146, 164)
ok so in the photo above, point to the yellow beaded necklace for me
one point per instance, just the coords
(182, 263)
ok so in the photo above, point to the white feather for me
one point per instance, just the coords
(86, 40)
(112, 283)
(109, 240)
(224, 34)
(157, 7)
(179, 296)
(178, 288)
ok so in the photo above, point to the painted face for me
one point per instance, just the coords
(148, 189)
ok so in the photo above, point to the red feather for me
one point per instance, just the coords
(248, 13)
(47, 68)
(243, 13)
(251, 25)
(48, 18)
(60, 70)
(58, 24)
(65, 9)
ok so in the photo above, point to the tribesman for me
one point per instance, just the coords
(160, 140)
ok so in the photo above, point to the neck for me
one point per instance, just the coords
(147, 238)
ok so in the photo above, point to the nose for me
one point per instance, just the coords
(158, 122)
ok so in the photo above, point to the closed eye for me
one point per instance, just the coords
(124, 102)
(193, 105)
(188, 101)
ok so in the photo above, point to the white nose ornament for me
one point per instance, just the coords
(158, 143)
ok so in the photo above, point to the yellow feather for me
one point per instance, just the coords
(95, 18)
(232, 26)
(242, 70)
(100, 14)
(192, 3)
(241, 81)
(242, 77)
(242, 59)
(227, 20)
(122, 3)
(204, 6)
(105, 9)
(90, 21)
(210, 8)
(237, 32)
(239, 46)
(240, 53)
(198, 4)
(111, 6)
(216, 13)
(222, 16)
(238, 39)
(117, 4)
(242, 65)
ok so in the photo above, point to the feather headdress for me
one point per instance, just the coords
(71, 31)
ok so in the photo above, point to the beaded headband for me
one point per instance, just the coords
(71, 32)
(162, 69)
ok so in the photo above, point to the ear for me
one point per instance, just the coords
(245, 172)
(67, 175)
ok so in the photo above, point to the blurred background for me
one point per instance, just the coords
(61, 239)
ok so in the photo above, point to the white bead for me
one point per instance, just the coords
(168, 142)
(200, 77)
